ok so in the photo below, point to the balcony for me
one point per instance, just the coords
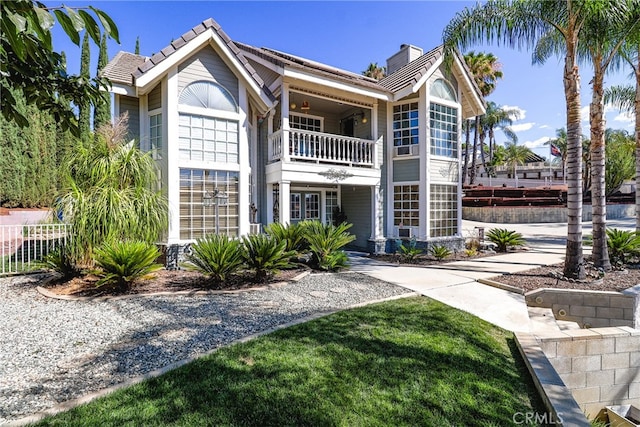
(296, 145)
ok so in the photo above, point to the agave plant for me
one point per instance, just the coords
(216, 255)
(292, 234)
(122, 263)
(622, 244)
(327, 240)
(504, 238)
(61, 261)
(409, 251)
(265, 255)
(440, 252)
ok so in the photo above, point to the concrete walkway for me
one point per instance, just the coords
(455, 283)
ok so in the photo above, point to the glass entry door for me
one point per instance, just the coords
(305, 205)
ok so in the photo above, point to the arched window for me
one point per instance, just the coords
(441, 89)
(209, 95)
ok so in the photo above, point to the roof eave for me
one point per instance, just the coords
(352, 88)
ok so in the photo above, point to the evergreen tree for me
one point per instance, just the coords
(102, 111)
(137, 51)
(84, 108)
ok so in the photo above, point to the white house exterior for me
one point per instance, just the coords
(296, 139)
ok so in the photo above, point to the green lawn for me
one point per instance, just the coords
(405, 362)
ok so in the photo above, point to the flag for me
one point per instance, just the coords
(555, 151)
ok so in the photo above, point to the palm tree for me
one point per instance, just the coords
(501, 118)
(486, 71)
(603, 35)
(375, 72)
(515, 155)
(522, 23)
(560, 142)
(466, 125)
(109, 194)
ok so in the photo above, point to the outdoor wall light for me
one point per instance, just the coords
(305, 106)
(216, 199)
(292, 106)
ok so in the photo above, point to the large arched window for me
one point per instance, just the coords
(441, 89)
(208, 95)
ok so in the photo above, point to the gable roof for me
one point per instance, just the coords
(411, 73)
(127, 68)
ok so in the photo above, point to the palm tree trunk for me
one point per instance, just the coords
(465, 168)
(574, 259)
(476, 135)
(637, 112)
(598, 190)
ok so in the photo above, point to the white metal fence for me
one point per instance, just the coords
(23, 246)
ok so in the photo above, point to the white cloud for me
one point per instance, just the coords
(584, 113)
(538, 143)
(544, 127)
(521, 112)
(624, 118)
(521, 127)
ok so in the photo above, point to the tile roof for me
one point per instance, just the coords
(121, 68)
(284, 59)
(125, 65)
(411, 73)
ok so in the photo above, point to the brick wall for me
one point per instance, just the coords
(600, 366)
(590, 309)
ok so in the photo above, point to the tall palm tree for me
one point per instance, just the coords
(515, 155)
(603, 35)
(522, 23)
(498, 117)
(560, 142)
(466, 125)
(485, 69)
(374, 71)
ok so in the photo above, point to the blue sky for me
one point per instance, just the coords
(350, 35)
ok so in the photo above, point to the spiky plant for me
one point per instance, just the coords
(292, 234)
(622, 245)
(216, 255)
(440, 252)
(61, 261)
(325, 240)
(409, 251)
(122, 263)
(504, 239)
(265, 255)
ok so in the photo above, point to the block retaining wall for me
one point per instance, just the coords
(600, 366)
(535, 214)
(590, 309)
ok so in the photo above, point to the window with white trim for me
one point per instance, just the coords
(305, 122)
(443, 210)
(155, 136)
(208, 139)
(405, 124)
(197, 220)
(296, 207)
(441, 89)
(406, 205)
(443, 130)
(330, 205)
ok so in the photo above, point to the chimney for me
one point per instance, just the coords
(406, 54)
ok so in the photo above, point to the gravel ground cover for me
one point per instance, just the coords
(52, 351)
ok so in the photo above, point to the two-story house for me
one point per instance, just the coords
(276, 137)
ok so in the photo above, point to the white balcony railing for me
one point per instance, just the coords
(321, 147)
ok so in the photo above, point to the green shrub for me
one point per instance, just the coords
(409, 251)
(504, 238)
(61, 261)
(440, 252)
(217, 256)
(122, 263)
(326, 241)
(292, 234)
(622, 244)
(265, 255)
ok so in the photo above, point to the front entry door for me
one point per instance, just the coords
(304, 205)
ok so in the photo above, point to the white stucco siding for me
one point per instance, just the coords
(206, 64)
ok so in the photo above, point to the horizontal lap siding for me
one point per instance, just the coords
(207, 65)
(155, 98)
(132, 106)
(443, 171)
(356, 204)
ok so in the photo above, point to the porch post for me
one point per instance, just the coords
(376, 212)
(285, 202)
(285, 123)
